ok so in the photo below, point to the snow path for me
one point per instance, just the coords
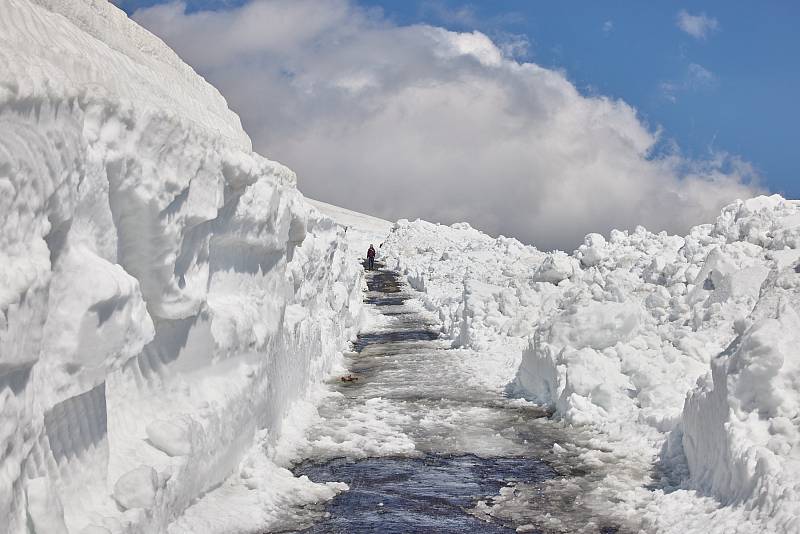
(427, 439)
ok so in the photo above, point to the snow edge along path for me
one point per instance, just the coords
(168, 295)
(623, 335)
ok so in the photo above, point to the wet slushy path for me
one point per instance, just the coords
(424, 446)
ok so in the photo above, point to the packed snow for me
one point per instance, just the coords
(172, 306)
(680, 351)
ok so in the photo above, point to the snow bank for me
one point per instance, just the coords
(165, 291)
(480, 286)
(623, 331)
(741, 423)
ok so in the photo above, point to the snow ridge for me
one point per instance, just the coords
(166, 293)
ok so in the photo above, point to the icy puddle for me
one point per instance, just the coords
(430, 494)
(427, 441)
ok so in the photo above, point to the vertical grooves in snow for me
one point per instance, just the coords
(147, 259)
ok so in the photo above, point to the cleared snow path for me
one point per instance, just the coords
(427, 440)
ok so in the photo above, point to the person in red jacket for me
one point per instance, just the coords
(371, 258)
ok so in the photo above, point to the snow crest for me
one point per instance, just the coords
(165, 291)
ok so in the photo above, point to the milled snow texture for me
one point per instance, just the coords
(165, 292)
(683, 351)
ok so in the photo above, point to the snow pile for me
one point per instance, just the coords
(741, 424)
(165, 292)
(480, 286)
(623, 331)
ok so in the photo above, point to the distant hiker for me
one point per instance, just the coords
(371, 258)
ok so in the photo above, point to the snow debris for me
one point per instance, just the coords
(681, 351)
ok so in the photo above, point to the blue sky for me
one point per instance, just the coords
(750, 107)
(734, 89)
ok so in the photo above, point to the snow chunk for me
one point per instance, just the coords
(598, 325)
(771, 222)
(592, 251)
(174, 437)
(137, 488)
(556, 267)
(44, 507)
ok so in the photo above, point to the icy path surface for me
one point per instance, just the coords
(427, 439)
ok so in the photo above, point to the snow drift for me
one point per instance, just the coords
(621, 335)
(165, 292)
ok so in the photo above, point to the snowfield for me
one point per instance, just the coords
(171, 305)
(681, 351)
(167, 295)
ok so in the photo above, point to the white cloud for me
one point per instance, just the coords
(698, 26)
(466, 16)
(462, 15)
(700, 77)
(418, 121)
(697, 78)
(608, 26)
(513, 45)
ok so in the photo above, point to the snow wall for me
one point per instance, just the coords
(683, 351)
(165, 292)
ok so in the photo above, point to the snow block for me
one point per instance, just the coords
(173, 437)
(592, 251)
(44, 507)
(137, 488)
(555, 268)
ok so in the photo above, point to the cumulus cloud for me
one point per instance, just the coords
(698, 26)
(608, 26)
(418, 121)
